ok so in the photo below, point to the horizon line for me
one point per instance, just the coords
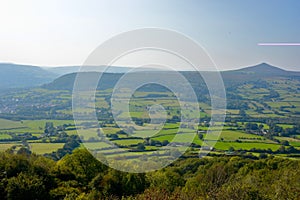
(127, 66)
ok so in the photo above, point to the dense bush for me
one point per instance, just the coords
(80, 176)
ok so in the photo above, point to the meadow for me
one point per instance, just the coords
(253, 101)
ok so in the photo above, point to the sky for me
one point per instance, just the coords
(65, 32)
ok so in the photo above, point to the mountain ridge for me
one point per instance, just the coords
(232, 77)
(22, 76)
(260, 70)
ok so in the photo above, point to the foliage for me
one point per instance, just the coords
(80, 176)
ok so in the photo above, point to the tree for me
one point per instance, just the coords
(200, 136)
(281, 149)
(113, 136)
(82, 165)
(26, 186)
(263, 155)
(242, 113)
(24, 151)
(285, 143)
(49, 129)
(167, 180)
(251, 126)
(71, 144)
(141, 147)
(165, 143)
(231, 149)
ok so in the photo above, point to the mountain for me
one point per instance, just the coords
(232, 77)
(62, 70)
(21, 76)
(66, 82)
(256, 73)
(24, 76)
(72, 69)
(263, 70)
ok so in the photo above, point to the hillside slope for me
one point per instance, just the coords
(233, 77)
(21, 76)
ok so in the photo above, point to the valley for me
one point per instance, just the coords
(262, 118)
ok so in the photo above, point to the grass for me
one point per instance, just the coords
(145, 133)
(278, 104)
(4, 136)
(96, 145)
(285, 125)
(42, 148)
(71, 132)
(123, 155)
(258, 123)
(110, 130)
(9, 124)
(87, 133)
(31, 126)
(184, 137)
(236, 135)
(139, 110)
(287, 139)
(36, 124)
(128, 142)
(292, 141)
(101, 103)
(232, 111)
(295, 143)
(5, 146)
(164, 137)
(245, 145)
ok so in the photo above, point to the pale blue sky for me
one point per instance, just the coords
(60, 32)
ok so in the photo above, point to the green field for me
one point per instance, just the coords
(9, 124)
(295, 143)
(245, 145)
(42, 148)
(5, 146)
(238, 135)
(31, 126)
(4, 136)
(233, 132)
(128, 142)
(285, 125)
(95, 145)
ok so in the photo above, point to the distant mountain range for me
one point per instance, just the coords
(263, 69)
(232, 77)
(15, 76)
(23, 76)
(72, 69)
(62, 70)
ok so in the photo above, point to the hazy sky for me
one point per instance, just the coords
(61, 32)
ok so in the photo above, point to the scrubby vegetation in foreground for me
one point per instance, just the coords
(80, 176)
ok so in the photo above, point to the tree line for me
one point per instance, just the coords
(79, 175)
